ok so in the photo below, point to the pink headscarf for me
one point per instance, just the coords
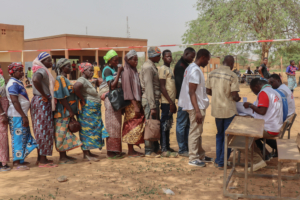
(84, 66)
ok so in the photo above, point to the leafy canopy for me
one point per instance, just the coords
(243, 20)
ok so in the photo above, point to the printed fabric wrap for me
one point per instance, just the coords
(22, 141)
(92, 130)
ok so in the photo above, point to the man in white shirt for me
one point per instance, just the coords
(194, 100)
(276, 83)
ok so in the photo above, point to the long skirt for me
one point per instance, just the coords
(43, 125)
(22, 141)
(133, 128)
(4, 148)
(292, 82)
(64, 139)
(113, 123)
(92, 130)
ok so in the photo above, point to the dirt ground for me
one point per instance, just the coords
(141, 178)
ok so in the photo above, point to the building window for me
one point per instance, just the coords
(210, 65)
(3, 31)
(216, 66)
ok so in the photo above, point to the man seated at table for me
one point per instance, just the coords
(276, 83)
(249, 71)
(269, 108)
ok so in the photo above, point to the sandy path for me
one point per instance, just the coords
(140, 178)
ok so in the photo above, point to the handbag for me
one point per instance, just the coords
(116, 98)
(74, 126)
(152, 130)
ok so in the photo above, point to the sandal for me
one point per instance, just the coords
(21, 168)
(66, 162)
(5, 168)
(48, 165)
(89, 158)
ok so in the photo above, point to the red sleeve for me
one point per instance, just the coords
(263, 100)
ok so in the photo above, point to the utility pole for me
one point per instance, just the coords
(86, 30)
(128, 33)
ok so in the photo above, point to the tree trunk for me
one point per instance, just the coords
(264, 50)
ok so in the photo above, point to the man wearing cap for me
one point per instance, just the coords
(151, 95)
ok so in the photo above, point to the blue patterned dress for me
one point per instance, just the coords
(22, 141)
(92, 130)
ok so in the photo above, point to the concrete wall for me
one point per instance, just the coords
(13, 39)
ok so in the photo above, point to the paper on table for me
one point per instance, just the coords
(243, 111)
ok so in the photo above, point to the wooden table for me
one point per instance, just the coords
(249, 128)
(249, 77)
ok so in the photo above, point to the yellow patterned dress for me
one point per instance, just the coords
(64, 139)
(133, 128)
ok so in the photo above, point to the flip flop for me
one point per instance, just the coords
(48, 165)
(21, 168)
(37, 162)
(71, 158)
(63, 162)
(90, 158)
(5, 168)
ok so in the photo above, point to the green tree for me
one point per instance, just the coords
(244, 20)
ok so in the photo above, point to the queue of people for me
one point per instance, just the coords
(58, 105)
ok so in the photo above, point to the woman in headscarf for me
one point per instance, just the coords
(66, 108)
(134, 126)
(4, 148)
(22, 141)
(92, 129)
(42, 105)
(113, 119)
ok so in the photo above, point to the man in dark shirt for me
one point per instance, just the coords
(263, 70)
(183, 123)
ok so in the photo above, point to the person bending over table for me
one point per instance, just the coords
(269, 108)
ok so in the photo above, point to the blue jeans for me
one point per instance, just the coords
(182, 130)
(165, 134)
(222, 125)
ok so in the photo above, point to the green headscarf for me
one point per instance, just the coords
(110, 54)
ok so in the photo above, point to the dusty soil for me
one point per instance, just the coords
(141, 178)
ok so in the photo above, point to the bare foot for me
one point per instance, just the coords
(71, 158)
(135, 153)
(93, 155)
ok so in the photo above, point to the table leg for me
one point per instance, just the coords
(234, 152)
(279, 179)
(246, 164)
(251, 164)
(264, 149)
(225, 163)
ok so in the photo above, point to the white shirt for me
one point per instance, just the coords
(290, 98)
(274, 115)
(16, 88)
(193, 74)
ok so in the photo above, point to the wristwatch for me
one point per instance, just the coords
(249, 106)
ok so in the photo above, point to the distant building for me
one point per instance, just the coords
(12, 38)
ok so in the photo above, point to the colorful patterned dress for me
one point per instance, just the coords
(22, 141)
(4, 148)
(64, 139)
(92, 130)
(113, 119)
